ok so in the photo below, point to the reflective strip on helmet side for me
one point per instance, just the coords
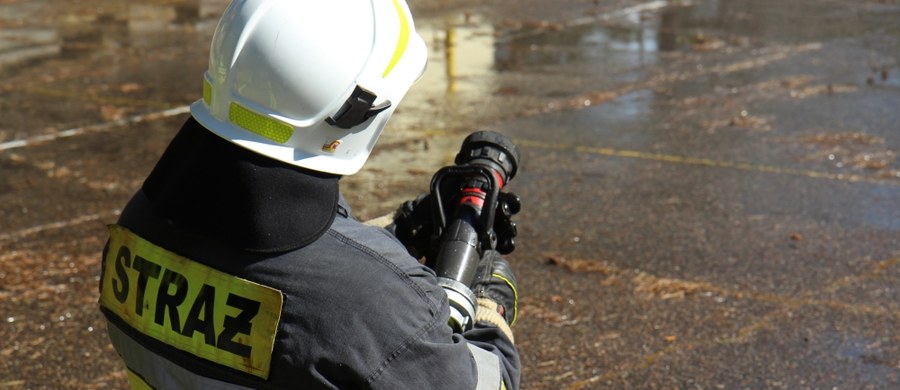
(207, 92)
(402, 40)
(259, 124)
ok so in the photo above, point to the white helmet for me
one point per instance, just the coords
(309, 82)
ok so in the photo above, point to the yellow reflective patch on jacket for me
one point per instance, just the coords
(137, 383)
(190, 306)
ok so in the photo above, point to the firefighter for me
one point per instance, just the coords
(238, 263)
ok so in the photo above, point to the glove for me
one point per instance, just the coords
(413, 226)
(497, 293)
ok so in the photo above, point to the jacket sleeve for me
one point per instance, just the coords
(481, 358)
(492, 340)
(432, 355)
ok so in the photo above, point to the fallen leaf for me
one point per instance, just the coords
(130, 87)
(581, 266)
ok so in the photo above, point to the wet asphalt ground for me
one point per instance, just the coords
(711, 188)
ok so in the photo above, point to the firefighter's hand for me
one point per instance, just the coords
(497, 293)
(412, 226)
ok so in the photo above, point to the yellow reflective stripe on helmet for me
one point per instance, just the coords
(188, 305)
(402, 40)
(259, 124)
(207, 92)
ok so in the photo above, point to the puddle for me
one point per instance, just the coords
(19, 46)
(638, 35)
(461, 55)
(469, 55)
(468, 52)
(609, 49)
(28, 34)
(467, 47)
(472, 59)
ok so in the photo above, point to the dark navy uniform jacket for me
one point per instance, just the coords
(230, 270)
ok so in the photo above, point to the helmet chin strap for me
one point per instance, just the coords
(358, 108)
